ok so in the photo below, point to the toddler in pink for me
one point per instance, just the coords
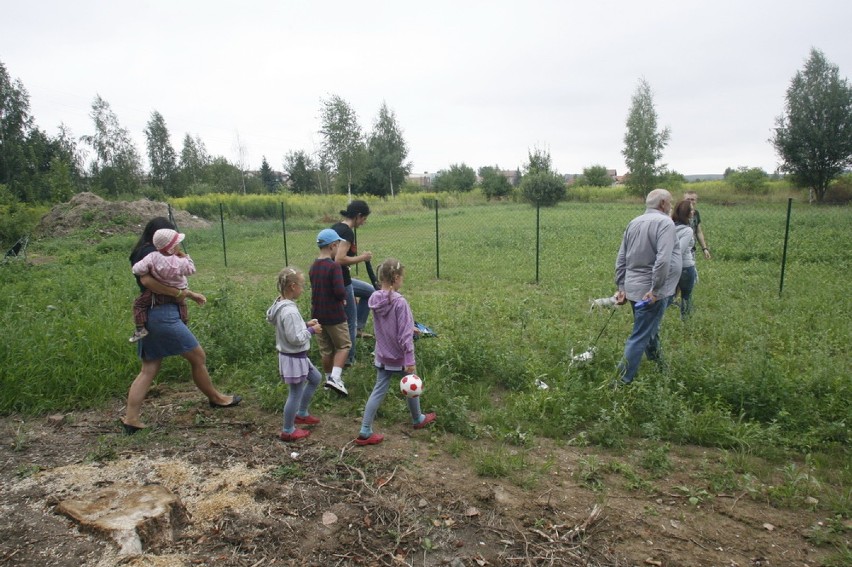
(169, 265)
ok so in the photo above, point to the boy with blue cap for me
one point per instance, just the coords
(328, 296)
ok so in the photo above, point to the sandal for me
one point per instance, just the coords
(430, 417)
(373, 439)
(131, 429)
(235, 401)
(295, 436)
(306, 420)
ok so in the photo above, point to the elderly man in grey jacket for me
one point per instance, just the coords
(647, 270)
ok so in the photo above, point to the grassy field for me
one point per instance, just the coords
(750, 371)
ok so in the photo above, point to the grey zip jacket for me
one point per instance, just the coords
(291, 333)
(649, 258)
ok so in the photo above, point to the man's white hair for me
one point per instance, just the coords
(655, 197)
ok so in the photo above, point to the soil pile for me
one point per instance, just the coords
(87, 210)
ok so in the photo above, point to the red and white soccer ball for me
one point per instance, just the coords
(411, 386)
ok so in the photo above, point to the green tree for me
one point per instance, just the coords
(15, 126)
(117, 167)
(69, 152)
(596, 176)
(223, 177)
(31, 183)
(33, 166)
(643, 142)
(459, 177)
(543, 188)
(60, 180)
(301, 172)
(814, 135)
(541, 184)
(193, 161)
(161, 155)
(267, 177)
(494, 184)
(321, 167)
(343, 142)
(356, 180)
(34, 182)
(538, 161)
(388, 152)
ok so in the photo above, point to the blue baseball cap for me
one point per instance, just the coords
(327, 236)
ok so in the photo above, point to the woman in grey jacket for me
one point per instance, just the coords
(682, 215)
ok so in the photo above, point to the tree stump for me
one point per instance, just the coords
(136, 517)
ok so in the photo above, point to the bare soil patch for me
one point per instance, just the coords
(252, 500)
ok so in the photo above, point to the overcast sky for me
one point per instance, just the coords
(470, 82)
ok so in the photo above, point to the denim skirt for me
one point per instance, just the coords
(167, 334)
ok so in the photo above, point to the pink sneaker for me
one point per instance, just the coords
(373, 439)
(430, 417)
(306, 420)
(295, 436)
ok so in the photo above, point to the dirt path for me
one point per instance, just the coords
(414, 500)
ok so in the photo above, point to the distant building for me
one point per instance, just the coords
(425, 180)
(571, 178)
(513, 176)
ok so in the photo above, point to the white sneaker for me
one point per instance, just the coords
(336, 384)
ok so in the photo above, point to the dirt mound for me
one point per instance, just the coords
(87, 210)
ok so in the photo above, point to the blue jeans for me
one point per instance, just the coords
(383, 381)
(686, 285)
(644, 338)
(357, 314)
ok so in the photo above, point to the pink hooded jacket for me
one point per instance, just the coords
(394, 327)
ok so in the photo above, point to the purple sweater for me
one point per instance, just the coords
(394, 327)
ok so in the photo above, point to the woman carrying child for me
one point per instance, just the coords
(293, 339)
(167, 335)
(394, 355)
(169, 265)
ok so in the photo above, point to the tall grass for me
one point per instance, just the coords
(750, 371)
(313, 207)
(324, 207)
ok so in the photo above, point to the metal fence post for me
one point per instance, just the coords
(537, 237)
(786, 238)
(222, 224)
(284, 232)
(437, 245)
(174, 224)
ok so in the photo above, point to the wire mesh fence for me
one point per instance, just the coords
(561, 245)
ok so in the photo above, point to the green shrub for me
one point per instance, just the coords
(17, 220)
(543, 188)
(749, 180)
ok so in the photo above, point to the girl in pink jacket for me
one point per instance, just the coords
(394, 328)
